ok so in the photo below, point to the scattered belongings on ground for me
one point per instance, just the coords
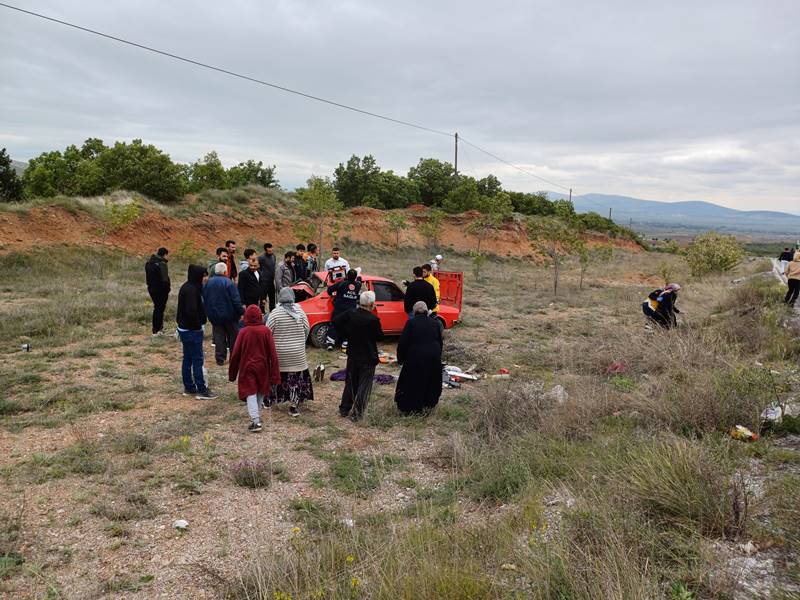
(739, 432)
(387, 358)
(617, 367)
(379, 378)
(181, 524)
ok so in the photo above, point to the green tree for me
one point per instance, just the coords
(142, 168)
(356, 183)
(397, 222)
(565, 210)
(10, 184)
(92, 148)
(556, 239)
(208, 174)
(434, 178)
(50, 173)
(88, 179)
(463, 197)
(494, 210)
(431, 227)
(532, 204)
(252, 173)
(713, 253)
(489, 186)
(319, 203)
(395, 191)
(594, 255)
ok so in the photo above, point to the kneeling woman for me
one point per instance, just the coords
(420, 354)
(289, 325)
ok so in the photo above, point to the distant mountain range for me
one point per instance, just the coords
(18, 166)
(688, 217)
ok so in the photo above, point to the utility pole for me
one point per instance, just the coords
(609, 213)
(570, 195)
(456, 160)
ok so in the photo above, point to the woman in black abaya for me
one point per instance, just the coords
(419, 352)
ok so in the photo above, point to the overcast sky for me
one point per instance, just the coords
(679, 100)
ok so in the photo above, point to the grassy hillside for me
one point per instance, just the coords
(628, 488)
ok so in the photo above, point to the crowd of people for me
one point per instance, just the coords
(258, 327)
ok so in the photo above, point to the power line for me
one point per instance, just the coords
(277, 87)
(510, 164)
(227, 72)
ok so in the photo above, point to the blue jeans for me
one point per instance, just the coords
(192, 367)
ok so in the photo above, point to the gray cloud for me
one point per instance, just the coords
(670, 101)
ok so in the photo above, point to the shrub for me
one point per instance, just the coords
(713, 253)
(681, 482)
(118, 216)
(507, 409)
(256, 473)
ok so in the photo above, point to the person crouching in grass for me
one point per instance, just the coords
(255, 361)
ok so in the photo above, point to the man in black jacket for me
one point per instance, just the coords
(300, 262)
(158, 287)
(266, 269)
(251, 289)
(362, 329)
(419, 290)
(191, 317)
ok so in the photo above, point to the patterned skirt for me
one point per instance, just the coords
(295, 388)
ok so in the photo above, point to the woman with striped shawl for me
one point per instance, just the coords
(289, 325)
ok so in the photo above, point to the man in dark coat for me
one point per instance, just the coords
(345, 299)
(251, 288)
(419, 352)
(230, 248)
(300, 262)
(191, 317)
(266, 267)
(362, 329)
(419, 290)
(254, 361)
(224, 309)
(158, 287)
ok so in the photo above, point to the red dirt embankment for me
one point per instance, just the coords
(55, 225)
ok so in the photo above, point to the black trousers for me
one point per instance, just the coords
(224, 337)
(357, 389)
(159, 306)
(270, 293)
(794, 291)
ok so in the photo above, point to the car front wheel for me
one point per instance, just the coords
(318, 335)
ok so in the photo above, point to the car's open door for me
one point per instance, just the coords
(451, 287)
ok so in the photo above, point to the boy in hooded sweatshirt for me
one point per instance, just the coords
(255, 361)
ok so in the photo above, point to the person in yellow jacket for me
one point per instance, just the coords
(427, 275)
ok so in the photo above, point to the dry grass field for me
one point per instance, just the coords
(630, 488)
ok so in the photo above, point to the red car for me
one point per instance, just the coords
(318, 305)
